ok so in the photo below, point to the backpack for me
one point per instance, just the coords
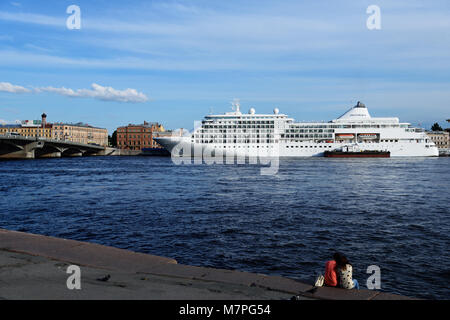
(319, 281)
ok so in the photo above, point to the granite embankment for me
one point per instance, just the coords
(35, 267)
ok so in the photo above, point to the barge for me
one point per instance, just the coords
(357, 154)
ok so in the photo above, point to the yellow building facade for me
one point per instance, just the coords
(440, 138)
(27, 131)
(80, 133)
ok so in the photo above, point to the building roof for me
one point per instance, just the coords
(144, 125)
(78, 124)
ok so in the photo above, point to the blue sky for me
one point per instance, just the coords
(182, 59)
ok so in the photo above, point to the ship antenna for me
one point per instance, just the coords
(235, 105)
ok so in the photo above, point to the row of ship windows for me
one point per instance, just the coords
(306, 135)
(249, 132)
(309, 131)
(243, 146)
(272, 141)
(348, 126)
(287, 130)
(232, 136)
(324, 146)
(209, 128)
(237, 122)
(297, 126)
(235, 141)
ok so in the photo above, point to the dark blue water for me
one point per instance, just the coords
(389, 212)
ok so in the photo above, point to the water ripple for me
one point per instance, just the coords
(389, 212)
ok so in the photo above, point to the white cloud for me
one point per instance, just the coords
(3, 122)
(31, 18)
(99, 92)
(8, 87)
(96, 92)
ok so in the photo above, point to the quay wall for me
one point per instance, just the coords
(30, 262)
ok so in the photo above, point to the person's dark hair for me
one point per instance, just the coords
(341, 261)
(336, 256)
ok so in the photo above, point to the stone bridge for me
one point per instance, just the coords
(22, 147)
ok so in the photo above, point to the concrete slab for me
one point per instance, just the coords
(17, 241)
(32, 277)
(78, 252)
(233, 276)
(274, 283)
(283, 284)
(176, 271)
(328, 293)
(391, 296)
(33, 267)
(114, 258)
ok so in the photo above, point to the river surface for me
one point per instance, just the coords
(393, 213)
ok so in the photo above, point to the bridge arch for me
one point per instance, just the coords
(73, 152)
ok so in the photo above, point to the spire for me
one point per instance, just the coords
(44, 120)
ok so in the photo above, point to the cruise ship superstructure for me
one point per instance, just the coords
(255, 134)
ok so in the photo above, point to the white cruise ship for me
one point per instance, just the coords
(259, 135)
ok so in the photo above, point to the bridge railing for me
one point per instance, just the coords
(55, 141)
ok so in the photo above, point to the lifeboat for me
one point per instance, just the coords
(368, 135)
(345, 135)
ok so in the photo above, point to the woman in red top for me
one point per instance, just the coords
(331, 277)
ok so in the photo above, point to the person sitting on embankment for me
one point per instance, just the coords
(331, 277)
(345, 270)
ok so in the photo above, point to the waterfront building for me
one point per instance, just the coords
(29, 128)
(138, 136)
(440, 138)
(81, 133)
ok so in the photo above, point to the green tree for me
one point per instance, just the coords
(112, 140)
(436, 127)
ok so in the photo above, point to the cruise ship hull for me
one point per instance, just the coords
(179, 146)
